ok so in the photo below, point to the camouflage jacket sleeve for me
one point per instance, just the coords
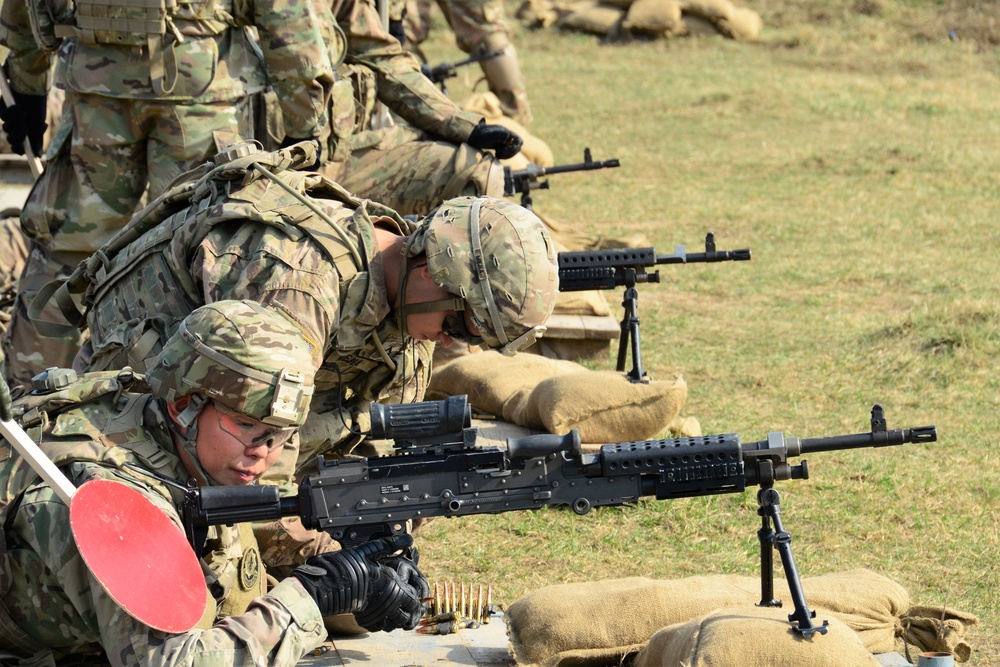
(401, 86)
(298, 64)
(28, 65)
(277, 629)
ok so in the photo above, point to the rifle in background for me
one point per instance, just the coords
(627, 267)
(525, 180)
(439, 74)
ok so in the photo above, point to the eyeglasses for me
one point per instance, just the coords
(251, 432)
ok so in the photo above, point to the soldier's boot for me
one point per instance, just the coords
(503, 75)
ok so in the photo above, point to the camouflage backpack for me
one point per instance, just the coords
(242, 183)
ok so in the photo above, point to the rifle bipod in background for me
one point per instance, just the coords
(626, 267)
(525, 180)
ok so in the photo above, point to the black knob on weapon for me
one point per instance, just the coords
(544, 444)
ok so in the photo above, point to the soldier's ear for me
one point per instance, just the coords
(175, 408)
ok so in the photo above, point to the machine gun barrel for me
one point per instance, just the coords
(897, 436)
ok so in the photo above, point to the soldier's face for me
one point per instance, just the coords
(426, 326)
(230, 451)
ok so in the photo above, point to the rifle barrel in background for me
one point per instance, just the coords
(439, 74)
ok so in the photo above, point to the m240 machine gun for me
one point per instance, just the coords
(438, 470)
(439, 74)
(525, 180)
(627, 267)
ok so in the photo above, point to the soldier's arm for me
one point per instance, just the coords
(277, 629)
(298, 63)
(401, 86)
(28, 66)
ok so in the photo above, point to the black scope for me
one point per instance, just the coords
(414, 424)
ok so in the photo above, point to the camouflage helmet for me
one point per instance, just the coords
(241, 355)
(499, 259)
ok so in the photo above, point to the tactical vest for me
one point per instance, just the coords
(120, 276)
(53, 409)
(155, 24)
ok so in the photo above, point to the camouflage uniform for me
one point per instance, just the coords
(132, 119)
(253, 240)
(256, 242)
(480, 27)
(53, 606)
(421, 160)
(13, 255)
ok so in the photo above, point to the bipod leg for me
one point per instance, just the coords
(630, 336)
(770, 507)
(766, 538)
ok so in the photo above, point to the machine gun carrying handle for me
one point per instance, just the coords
(531, 446)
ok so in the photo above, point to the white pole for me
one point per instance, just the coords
(41, 463)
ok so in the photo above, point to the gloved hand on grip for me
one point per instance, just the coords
(383, 593)
(505, 143)
(25, 120)
(403, 590)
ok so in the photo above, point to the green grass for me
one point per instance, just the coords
(854, 148)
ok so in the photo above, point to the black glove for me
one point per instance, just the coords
(397, 30)
(6, 413)
(400, 600)
(291, 141)
(24, 120)
(384, 595)
(505, 143)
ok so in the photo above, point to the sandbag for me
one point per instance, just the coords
(596, 623)
(660, 18)
(743, 24)
(540, 13)
(588, 302)
(569, 236)
(931, 628)
(698, 26)
(604, 406)
(489, 378)
(593, 17)
(752, 636)
(710, 10)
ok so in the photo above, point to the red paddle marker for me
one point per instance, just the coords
(139, 555)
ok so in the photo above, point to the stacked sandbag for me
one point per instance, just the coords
(740, 23)
(557, 396)
(644, 18)
(752, 636)
(601, 622)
